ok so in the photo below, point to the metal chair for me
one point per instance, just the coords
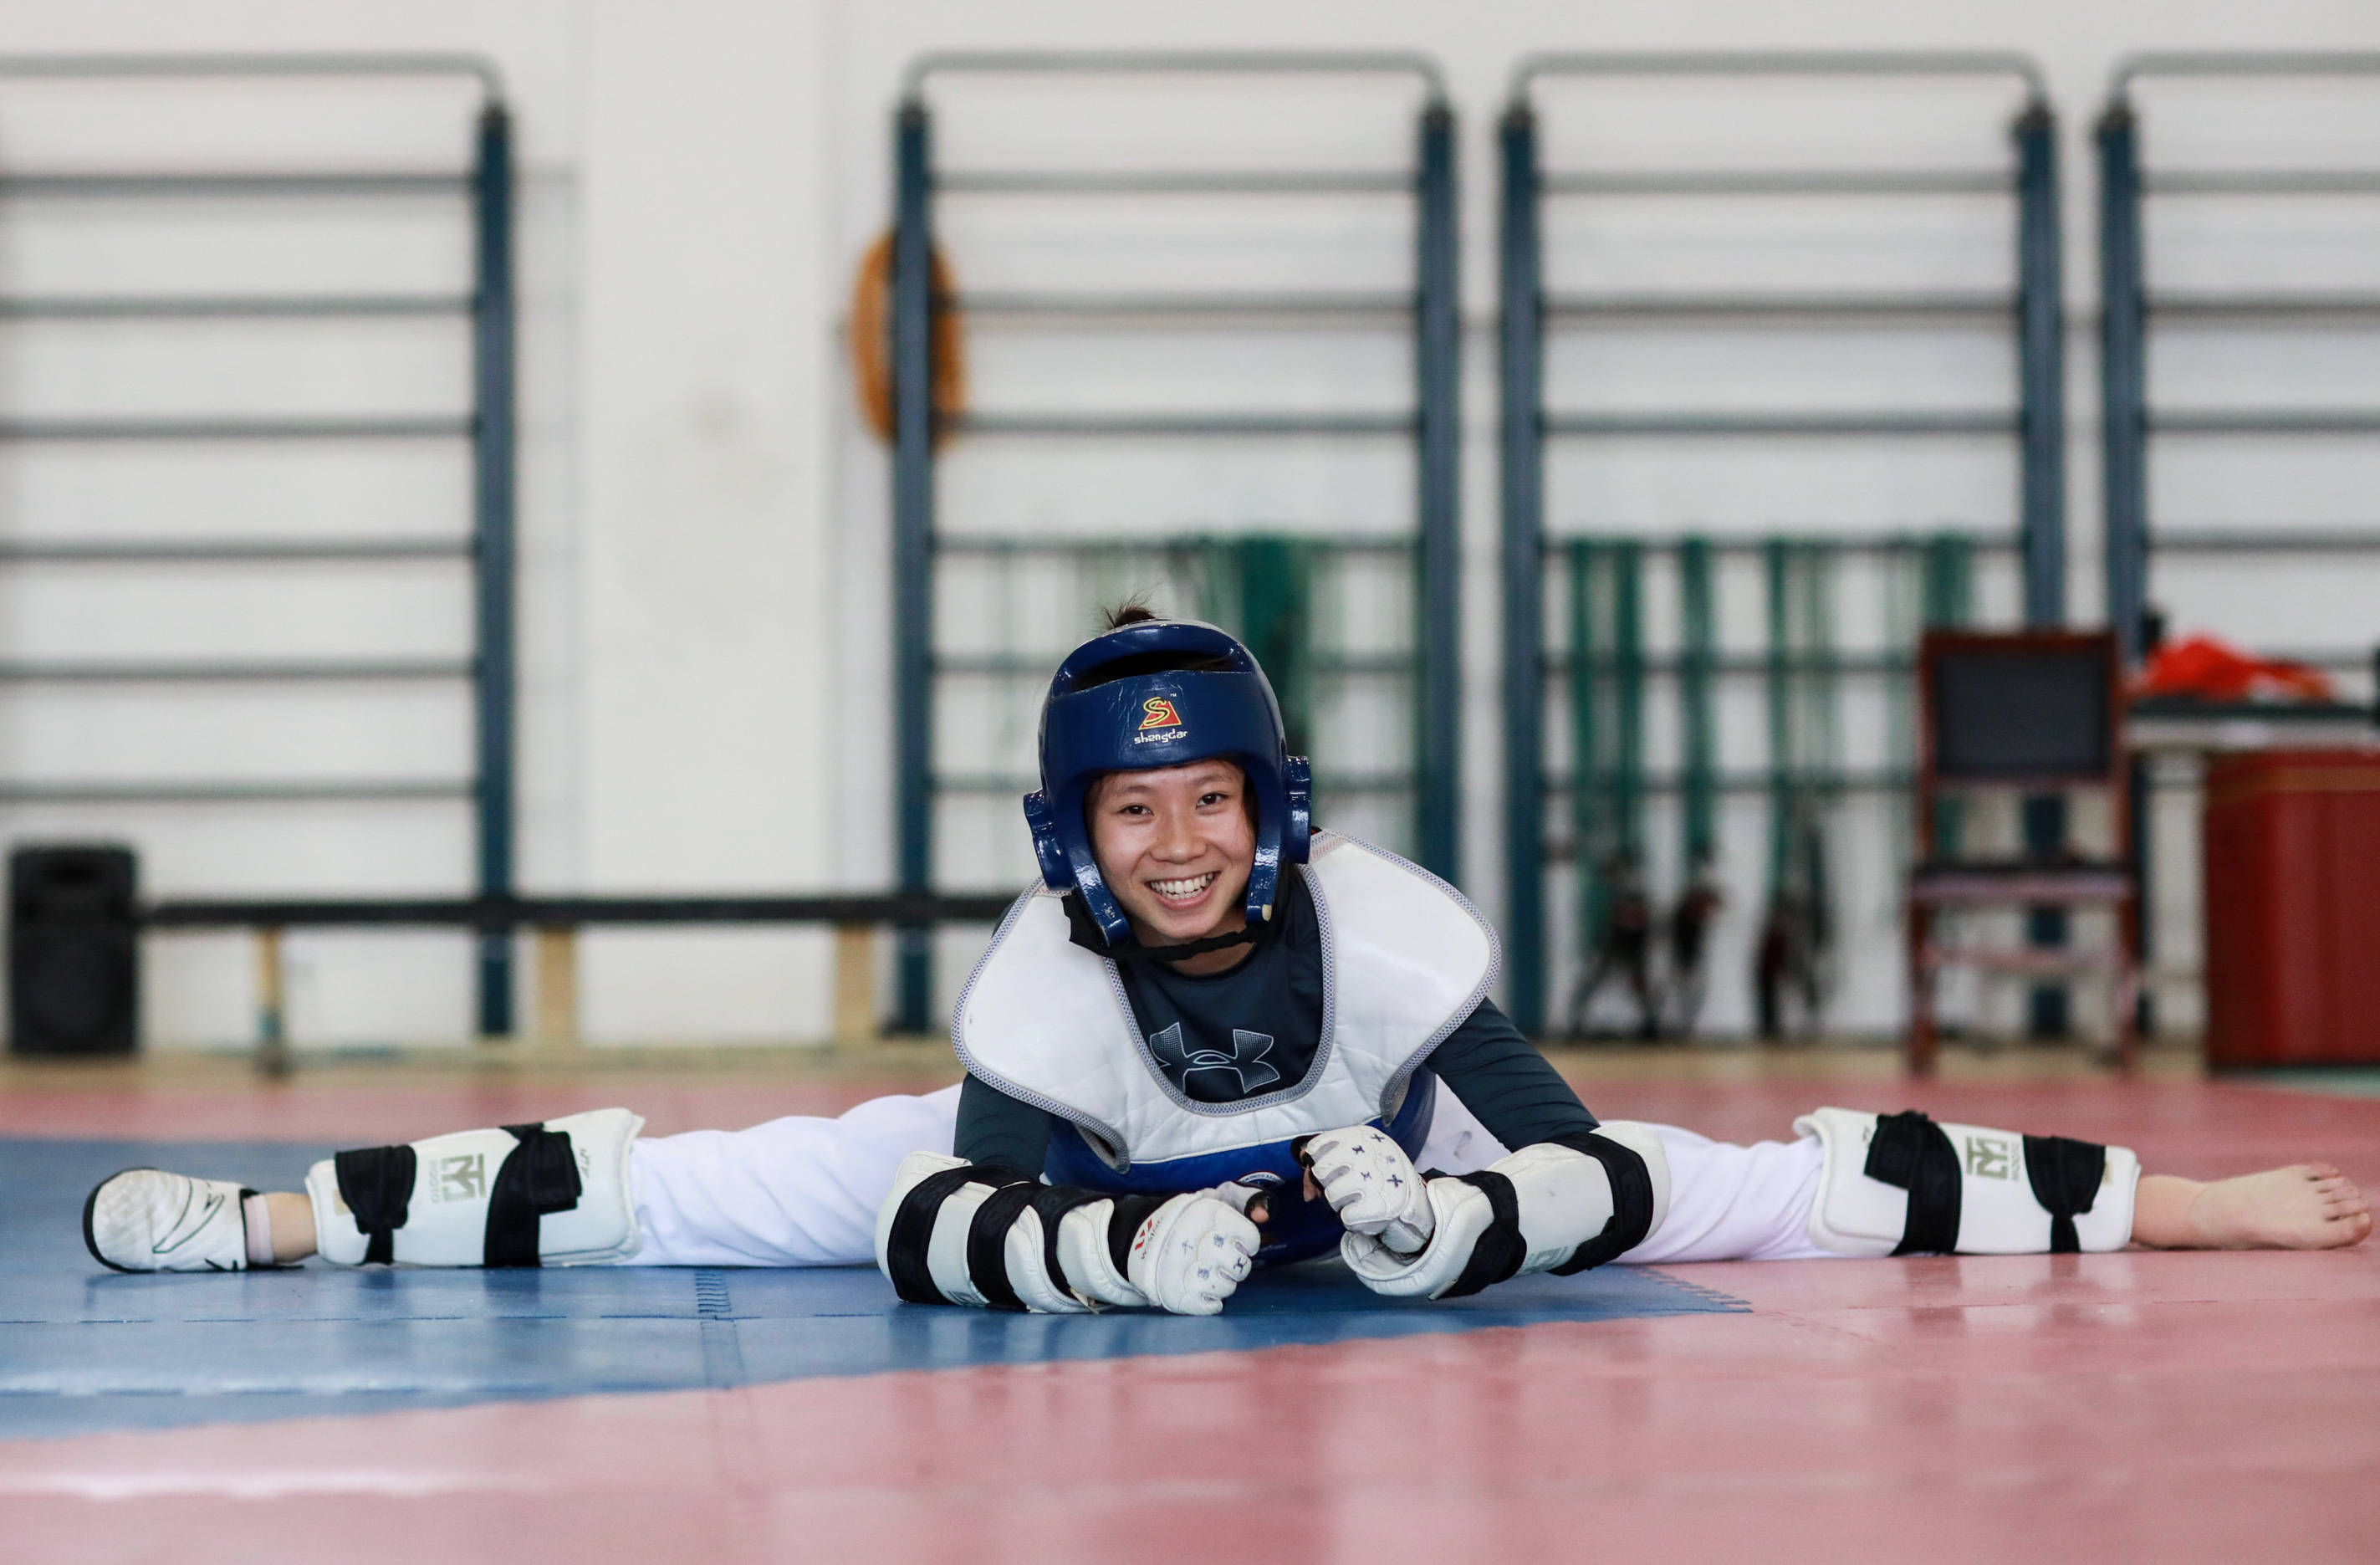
(2029, 712)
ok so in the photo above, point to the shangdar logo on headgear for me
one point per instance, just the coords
(1158, 714)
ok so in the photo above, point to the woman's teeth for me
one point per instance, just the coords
(1190, 887)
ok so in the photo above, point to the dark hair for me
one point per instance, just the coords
(1134, 610)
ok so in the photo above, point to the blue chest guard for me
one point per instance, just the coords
(1297, 1230)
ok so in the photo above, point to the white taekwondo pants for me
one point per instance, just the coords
(804, 1192)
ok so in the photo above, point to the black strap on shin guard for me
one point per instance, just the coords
(913, 1230)
(377, 1184)
(1913, 1153)
(1501, 1250)
(539, 1175)
(1632, 1203)
(2065, 1175)
(987, 1245)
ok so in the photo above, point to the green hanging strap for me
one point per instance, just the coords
(1697, 717)
(1589, 737)
(1260, 589)
(1607, 706)
(1820, 724)
(1277, 623)
(1804, 724)
(1627, 696)
(1777, 687)
(1949, 572)
(1948, 593)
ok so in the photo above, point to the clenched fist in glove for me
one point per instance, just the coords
(1191, 1252)
(1370, 1182)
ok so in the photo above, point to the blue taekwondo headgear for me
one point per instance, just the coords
(1162, 693)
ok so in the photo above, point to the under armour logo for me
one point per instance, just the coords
(1246, 1061)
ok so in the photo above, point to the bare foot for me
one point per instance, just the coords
(2303, 1207)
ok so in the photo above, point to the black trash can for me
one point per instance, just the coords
(74, 950)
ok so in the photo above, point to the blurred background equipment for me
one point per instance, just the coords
(870, 339)
(2037, 713)
(1805, 764)
(1215, 352)
(2238, 401)
(1803, 310)
(74, 951)
(2292, 926)
(260, 476)
(1607, 690)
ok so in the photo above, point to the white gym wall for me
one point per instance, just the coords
(703, 603)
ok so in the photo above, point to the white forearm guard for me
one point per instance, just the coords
(954, 1232)
(1559, 1206)
(554, 1194)
(1900, 1184)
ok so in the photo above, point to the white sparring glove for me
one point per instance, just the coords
(1370, 1182)
(1191, 1252)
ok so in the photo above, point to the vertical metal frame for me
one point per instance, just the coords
(1434, 428)
(2125, 420)
(490, 427)
(492, 459)
(913, 553)
(2041, 367)
(2124, 470)
(2123, 379)
(1521, 343)
(2125, 308)
(2041, 360)
(1523, 420)
(1437, 360)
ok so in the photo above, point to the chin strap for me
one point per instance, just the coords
(1247, 937)
(1082, 932)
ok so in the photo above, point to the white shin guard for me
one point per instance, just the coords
(554, 1194)
(1900, 1184)
(1558, 1206)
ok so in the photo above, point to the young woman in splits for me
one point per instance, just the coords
(1212, 1038)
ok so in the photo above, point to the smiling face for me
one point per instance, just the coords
(1176, 845)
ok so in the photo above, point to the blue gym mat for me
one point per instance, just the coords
(85, 1349)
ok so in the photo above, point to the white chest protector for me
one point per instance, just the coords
(1405, 959)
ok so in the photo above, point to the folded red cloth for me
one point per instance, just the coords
(2215, 670)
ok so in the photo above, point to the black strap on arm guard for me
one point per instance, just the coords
(1632, 1203)
(1913, 1153)
(377, 1184)
(1014, 1194)
(538, 1175)
(1050, 1203)
(1501, 1249)
(913, 1230)
(2065, 1176)
(986, 1246)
